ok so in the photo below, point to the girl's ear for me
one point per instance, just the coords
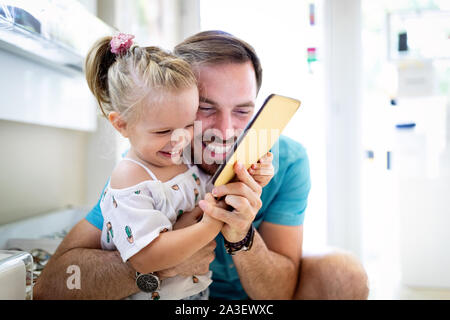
(118, 123)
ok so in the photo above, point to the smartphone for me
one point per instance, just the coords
(259, 136)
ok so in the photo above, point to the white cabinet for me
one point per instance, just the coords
(42, 49)
(33, 92)
(420, 161)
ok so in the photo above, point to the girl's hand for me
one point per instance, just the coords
(208, 202)
(262, 171)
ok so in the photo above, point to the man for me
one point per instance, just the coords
(229, 77)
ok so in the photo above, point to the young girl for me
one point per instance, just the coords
(147, 94)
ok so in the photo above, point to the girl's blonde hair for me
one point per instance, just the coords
(120, 82)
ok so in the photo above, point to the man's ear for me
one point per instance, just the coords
(118, 123)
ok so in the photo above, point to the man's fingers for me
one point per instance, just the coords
(210, 198)
(246, 178)
(207, 252)
(222, 204)
(215, 212)
(233, 220)
(199, 262)
(239, 189)
(212, 245)
(237, 202)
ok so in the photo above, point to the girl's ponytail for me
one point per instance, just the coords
(98, 61)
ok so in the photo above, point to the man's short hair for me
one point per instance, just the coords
(215, 47)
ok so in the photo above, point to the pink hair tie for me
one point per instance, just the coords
(121, 43)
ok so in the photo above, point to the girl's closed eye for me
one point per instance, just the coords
(163, 132)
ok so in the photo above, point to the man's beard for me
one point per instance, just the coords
(209, 168)
(199, 151)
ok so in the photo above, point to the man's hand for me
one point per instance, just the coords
(197, 264)
(244, 196)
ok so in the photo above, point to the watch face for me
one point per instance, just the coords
(147, 282)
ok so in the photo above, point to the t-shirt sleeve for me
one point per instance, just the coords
(131, 221)
(94, 216)
(288, 207)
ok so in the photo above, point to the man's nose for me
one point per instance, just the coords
(224, 123)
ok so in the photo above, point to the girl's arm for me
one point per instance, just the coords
(172, 248)
(169, 248)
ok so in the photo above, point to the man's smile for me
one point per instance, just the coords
(217, 149)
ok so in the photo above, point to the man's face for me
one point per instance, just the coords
(227, 95)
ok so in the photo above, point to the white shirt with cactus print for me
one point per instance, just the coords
(135, 216)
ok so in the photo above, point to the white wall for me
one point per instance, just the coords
(90, 5)
(101, 153)
(41, 169)
(344, 148)
(43, 163)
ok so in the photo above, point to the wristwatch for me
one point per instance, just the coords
(147, 282)
(243, 245)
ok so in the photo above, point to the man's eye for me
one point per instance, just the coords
(242, 112)
(205, 108)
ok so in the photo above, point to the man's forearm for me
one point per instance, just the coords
(95, 271)
(265, 274)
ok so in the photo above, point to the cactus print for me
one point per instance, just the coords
(129, 234)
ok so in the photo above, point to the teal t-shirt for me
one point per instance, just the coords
(284, 202)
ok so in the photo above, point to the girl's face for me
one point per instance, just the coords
(152, 136)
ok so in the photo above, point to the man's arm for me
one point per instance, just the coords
(270, 269)
(103, 273)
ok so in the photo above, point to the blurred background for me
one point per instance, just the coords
(373, 78)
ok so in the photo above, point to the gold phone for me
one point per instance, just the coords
(259, 136)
